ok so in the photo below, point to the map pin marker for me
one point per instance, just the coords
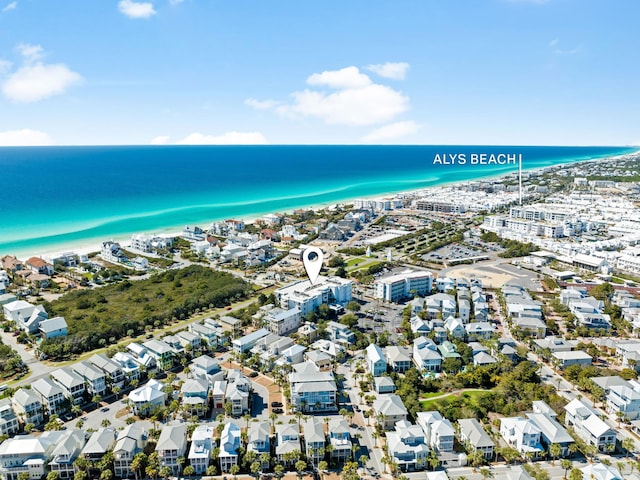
(312, 259)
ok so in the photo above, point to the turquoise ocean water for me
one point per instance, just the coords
(55, 198)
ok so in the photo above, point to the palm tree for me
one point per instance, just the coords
(265, 460)
(189, 470)
(165, 472)
(301, 466)
(555, 451)
(486, 473)
(323, 466)
(575, 474)
(234, 470)
(138, 463)
(566, 464)
(629, 445)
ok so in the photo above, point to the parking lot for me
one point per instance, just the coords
(459, 252)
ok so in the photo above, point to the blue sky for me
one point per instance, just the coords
(518, 72)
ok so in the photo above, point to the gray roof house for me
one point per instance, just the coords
(100, 442)
(389, 409)
(112, 370)
(95, 379)
(28, 406)
(475, 437)
(131, 441)
(172, 445)
(50, 393)
(53, 327)
(71, 383)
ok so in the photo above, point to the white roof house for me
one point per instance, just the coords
(522, 434)
(587, 424)
(407, 446)
(200, 450)
(147, 397)
(376, 360)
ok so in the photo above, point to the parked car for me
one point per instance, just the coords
(276, 404)
(278, 410)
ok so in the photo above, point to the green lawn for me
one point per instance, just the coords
(355, 261)
(471, 396)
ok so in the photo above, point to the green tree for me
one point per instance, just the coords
(189, 471)
(164, 472)
(555, 451)
(278, 470)
(629, 445)
(53, 476)
(255, 468)
(138, 464)
(566, 465)
(323, 466)
(575, 474)
(353, 306)
(301, 466)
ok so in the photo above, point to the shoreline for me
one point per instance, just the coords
(86, 246)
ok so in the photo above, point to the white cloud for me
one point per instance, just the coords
(393, 70)
(136, 9)
(261, 104)
(348, 77)
(175, 2)
(30, 52)
(10, 6)
(37, 81)
(553, 42)
(160, 140)
(228, 138)
(5, 66)
(369, 105)
(24, 138)
(392, 131)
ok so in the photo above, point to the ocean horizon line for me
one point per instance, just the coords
(84, 219)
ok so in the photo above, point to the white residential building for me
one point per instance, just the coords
(171, 446)
(388, 410)
(131, 441)
(312, 390)
(200, 450)
(439, 432)
(376, 361)
(307, 297)
(229, 446)
(521, 434)
(407, 446)
(28, 406)
(71, 383)
(426, 355)
(51, 395)
(587, 424)
(475, 437)
(403, 285)
(147, 397)
(282, 322)
(9, 424)
(624, 399)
